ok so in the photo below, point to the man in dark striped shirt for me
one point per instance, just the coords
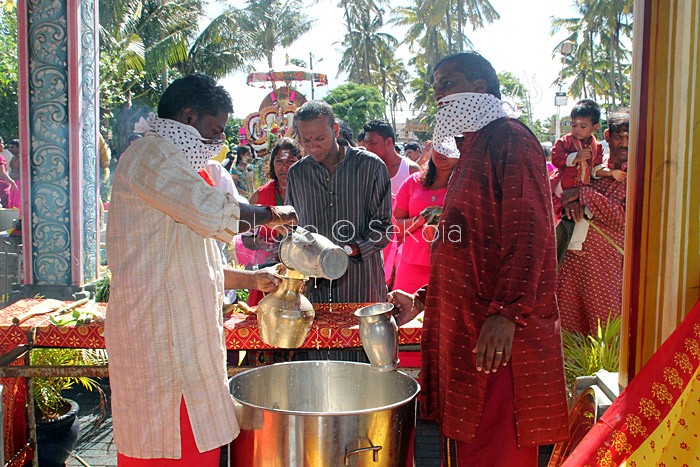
(344, 194)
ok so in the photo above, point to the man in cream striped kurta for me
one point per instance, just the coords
(165, 303)
(164, 328)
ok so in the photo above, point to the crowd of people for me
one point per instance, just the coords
(9, 174)
(465, 229)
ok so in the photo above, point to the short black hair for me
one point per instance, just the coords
(198, 92)
(13, 142)
(313, 110)
(240, 151)
(361, 136)
(346, 132)
(587, 108)
(412, 146)
(619, 120)
(475, 67)
(382, 128)
(289, 144)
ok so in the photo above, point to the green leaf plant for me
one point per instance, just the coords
(585, 354)
(48, 392)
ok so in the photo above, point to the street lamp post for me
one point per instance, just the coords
(560, 99)
(311, 69)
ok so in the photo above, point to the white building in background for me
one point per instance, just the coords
(406, 130)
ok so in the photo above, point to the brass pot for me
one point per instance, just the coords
(285, 315)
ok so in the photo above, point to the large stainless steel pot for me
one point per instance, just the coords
(323, 414)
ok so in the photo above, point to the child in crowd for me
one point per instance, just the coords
(578, 157)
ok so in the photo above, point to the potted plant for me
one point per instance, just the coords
(56, 416)
(585, 354)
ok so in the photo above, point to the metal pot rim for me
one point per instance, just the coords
(374, 310)
(405, 401)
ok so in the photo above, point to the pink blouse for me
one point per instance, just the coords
(413, 198)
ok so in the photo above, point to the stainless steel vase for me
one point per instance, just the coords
(379, 334)
(285, 315)
(313, 255)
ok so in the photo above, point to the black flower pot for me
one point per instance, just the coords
(56, 438)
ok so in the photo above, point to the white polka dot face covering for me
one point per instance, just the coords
(186, 137)
(463, 112)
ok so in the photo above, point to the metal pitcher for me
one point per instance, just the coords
(379, 334)
(313, 255)
(285, 315)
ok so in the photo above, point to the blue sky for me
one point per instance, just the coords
(520, 42)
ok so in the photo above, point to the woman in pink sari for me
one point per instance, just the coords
(420, 197)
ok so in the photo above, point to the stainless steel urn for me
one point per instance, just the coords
(322, 414)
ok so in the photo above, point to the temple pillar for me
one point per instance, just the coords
(662, 245)
(59, 127)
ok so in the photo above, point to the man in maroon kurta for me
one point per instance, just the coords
(492, 364)
(590, 281)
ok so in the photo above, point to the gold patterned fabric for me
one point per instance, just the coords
(656, 419)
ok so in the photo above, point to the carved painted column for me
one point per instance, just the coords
(58, 99)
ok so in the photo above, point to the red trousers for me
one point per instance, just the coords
(190, 454)
(496, 442)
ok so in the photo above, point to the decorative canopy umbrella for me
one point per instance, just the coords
(274, 119)
(286, 75)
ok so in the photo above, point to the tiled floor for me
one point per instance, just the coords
(95, 446)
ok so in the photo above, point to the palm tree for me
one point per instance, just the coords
(271, 24)
(143, 42)
(219, 48)
(599, 63)
(477, 13)
(143, 38)
(423, 36)
(448, 18)
(352, 12)
(435, 29)
(371, 52)
(615, 17)
(394, 78)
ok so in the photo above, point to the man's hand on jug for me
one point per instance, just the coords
(406, 306)
(282, 215)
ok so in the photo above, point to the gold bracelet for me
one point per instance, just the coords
(413, 303)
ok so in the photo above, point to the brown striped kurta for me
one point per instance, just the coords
(353, 205)
(495, 255)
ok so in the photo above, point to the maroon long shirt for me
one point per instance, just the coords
(502, 262)
(590, 280)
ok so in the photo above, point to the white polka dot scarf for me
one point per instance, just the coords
(186, 137)
(460, 113)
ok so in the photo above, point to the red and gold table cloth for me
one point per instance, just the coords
(334, 327)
